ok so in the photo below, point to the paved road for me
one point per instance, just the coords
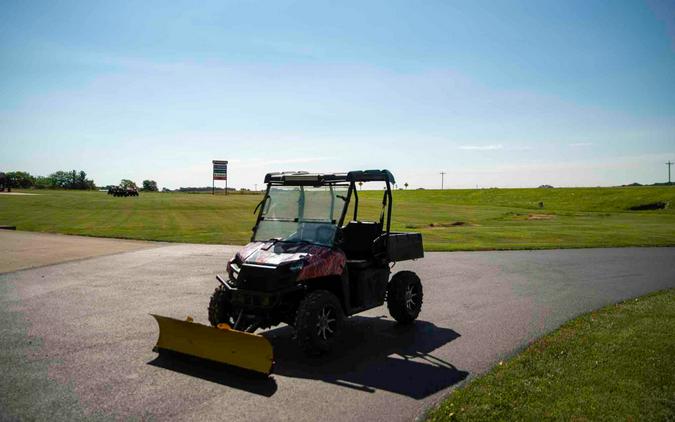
(20, 250)
(76, 337)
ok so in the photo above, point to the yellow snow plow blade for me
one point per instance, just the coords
(222, 344)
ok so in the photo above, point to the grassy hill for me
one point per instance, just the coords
(472, 219)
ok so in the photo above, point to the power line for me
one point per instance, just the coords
(442, 179)
(669, 163)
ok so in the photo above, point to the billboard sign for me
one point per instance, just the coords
(219, 170)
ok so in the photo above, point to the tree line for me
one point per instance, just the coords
(58, 180)
(65, 180)
(148, 185)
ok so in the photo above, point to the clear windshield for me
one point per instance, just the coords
(301, 214)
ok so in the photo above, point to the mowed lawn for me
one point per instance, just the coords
(472, 219)
(613, 364)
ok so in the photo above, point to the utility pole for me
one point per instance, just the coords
(442, 179)
(669, 163)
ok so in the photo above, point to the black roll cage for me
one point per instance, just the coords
(333, 179)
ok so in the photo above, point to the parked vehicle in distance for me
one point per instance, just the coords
(122, 191)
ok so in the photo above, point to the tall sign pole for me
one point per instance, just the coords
(669, 163)
(219, 173)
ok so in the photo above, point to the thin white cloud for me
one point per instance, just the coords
(581, 144)
(482, 147)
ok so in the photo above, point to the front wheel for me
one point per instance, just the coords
(404, 296)
(318, 322)
(220, 309)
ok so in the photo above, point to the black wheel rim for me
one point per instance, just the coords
(326, 323)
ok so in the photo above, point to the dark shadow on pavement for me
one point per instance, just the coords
(218, 373)
(374, 353)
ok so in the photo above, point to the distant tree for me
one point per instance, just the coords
(59, 180)
(20, 179)
(70, 180)
(42, 182)
(80, 181)
(361, 185)
(4, 183)
(166, 190)
(406, 185)
(126, 183)
(150, 186)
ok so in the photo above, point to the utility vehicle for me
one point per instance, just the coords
(122, 191)
(311, 262)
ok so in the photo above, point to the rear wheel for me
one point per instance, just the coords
(404, 296)
(220, 309)
(318, 322)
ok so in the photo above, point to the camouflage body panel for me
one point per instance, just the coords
(323, 262)
(319, 261)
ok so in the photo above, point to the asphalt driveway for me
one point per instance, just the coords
(76, 337)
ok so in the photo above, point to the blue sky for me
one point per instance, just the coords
(495, 93)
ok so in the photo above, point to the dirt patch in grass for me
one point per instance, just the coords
(521, 216)
(540, 217)
(455, 224)
(437, 225)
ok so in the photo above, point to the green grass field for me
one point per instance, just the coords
(475, 219)
(612, 364)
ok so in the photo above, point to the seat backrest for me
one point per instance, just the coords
(358, 237)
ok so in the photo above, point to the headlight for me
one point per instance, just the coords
(296, 266)
(232, 270)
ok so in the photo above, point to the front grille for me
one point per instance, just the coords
(246, 300)
(264, 279)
